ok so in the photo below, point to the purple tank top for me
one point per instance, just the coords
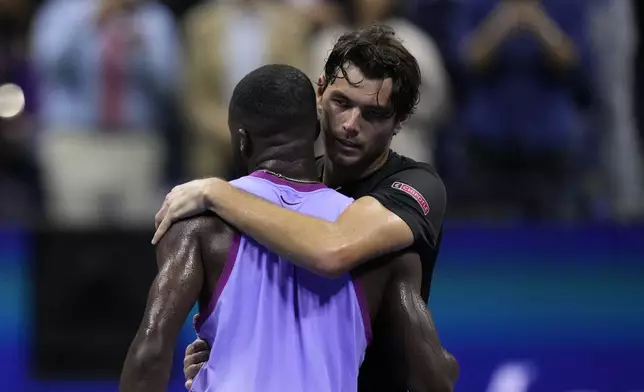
(274, 327)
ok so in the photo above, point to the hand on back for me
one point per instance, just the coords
(182, 202)
(197, 354)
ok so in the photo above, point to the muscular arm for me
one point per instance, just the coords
(366, 229)
(173, 293)
(425, 365)
(406, 348)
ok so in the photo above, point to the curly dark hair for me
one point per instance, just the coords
(274, 99)
(378, 54)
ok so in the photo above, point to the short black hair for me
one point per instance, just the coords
(274, 100)
(378, 54)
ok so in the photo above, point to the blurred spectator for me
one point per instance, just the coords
(107, 67)
(433, 17)
(526, 69)
(225, 40)
(19, 180)
(615, 43)
(416, 139)
(638, 9)
(320, 13)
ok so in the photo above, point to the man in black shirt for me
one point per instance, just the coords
(369, 87)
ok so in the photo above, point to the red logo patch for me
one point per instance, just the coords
(411, 191)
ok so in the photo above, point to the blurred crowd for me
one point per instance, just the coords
(528, 107)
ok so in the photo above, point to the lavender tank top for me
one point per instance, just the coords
(274, 327)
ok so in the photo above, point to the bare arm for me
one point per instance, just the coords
(365, 230)
(172, 295)
(425, 365)
(408, 335)
(405, 208)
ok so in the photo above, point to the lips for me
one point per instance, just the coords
(347, 144)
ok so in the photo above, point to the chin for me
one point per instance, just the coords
(344, 160)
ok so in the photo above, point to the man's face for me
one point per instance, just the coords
(356, 119)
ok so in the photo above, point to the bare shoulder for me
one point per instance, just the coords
(205, 226)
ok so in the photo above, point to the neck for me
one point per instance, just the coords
(296, 169)
(336, 175)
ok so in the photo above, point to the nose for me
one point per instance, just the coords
(351, 124)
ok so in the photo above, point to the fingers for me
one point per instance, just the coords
(183, 201)
(158, 218)
(162, 220)
(167, 202)
(195, 359)
(163, 227)
(197, 346)
(195, 320)
(191, 372)
(197, 353)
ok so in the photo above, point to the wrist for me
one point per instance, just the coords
(213, 193)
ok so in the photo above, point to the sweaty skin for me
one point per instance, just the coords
(191, 257)
(403, 329)
(357, 139)
(365, 230)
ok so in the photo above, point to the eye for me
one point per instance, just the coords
(341, 102)
(375, 115)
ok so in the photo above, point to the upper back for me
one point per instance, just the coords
(264, 304)
(313, 199)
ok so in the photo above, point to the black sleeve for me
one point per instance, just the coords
(418, 197)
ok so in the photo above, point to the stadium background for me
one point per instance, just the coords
(525, 308)
(554, 309)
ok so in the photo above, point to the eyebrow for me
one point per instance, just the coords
(373, 108)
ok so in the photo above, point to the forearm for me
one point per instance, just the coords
(147, 368)
(310, 243)
(431, 368)
(171, 296)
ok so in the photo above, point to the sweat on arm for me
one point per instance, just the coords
(425, 365)
(406, 208)
(174, 291)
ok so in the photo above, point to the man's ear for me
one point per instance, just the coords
(398, 127)
(320, 89)
(244, 143)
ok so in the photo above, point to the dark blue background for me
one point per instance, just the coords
(559, 310)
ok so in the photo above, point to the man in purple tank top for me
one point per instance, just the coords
(273, 326)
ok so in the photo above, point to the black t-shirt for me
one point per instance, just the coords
(413, 191)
